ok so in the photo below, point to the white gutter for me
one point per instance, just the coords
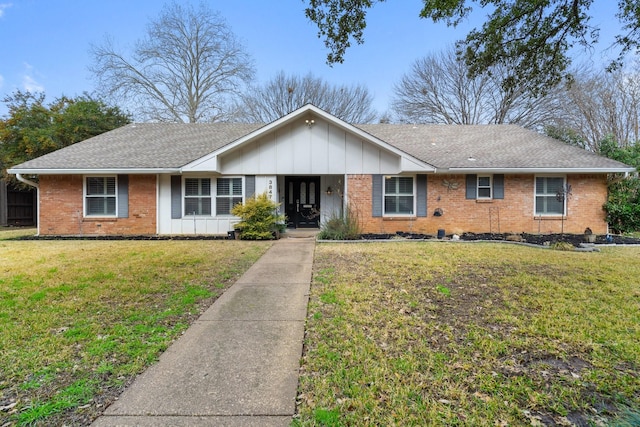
(536, 170)
(93, 171)
(20, 178)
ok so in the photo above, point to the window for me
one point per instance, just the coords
(484, 187)
(197, 196)
(398, 195)
(547, 200)
(228, 194)
(100, 196)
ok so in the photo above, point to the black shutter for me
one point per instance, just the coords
(176, 197)
(123, 196)
(421, 191)
(249, 186)
(376, 195)
(498, 186)
(472, 186)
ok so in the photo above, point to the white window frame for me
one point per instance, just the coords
(536, 195)
(228, 196)
(197, 196)
(85, 196)
(412, 213)
(490, 187)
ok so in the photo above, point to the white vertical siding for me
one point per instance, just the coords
(189, 225)
(298, 149)
(336, 151)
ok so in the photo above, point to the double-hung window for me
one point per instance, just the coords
(549, 193)
(484, 187)
(197, 196)
(398, 195)
(100, 196)
(228, 194)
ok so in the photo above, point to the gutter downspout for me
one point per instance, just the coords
(22, 179)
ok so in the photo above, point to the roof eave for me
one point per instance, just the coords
(301, 112)
(536, 170)
(84, 171)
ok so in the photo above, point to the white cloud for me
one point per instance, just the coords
(1, 81)
(4, 6)
(29, 83)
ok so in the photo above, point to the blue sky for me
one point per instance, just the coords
(45, 44)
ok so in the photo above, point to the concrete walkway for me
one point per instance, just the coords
(237, 365)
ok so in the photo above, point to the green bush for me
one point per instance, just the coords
(341, 227)
(259, 218)
(623, 205)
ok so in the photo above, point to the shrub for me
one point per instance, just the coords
(259, 216)
(623, 205)
(341, 227)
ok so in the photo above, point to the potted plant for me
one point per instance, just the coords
(589, 237)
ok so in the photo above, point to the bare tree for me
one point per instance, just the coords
(182, 71)
(439, 89)
(284, 93)
(598, 104)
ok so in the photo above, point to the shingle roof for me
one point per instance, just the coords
(173, 145)
(486, 146)
(144, 145)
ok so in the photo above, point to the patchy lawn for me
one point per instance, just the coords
(471, 334)
(79, 319)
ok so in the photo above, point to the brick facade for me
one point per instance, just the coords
(61, 204)
(61, 208)
(513, 214)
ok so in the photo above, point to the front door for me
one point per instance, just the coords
(302, 201)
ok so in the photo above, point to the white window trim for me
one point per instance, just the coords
(478, 197)
(85, 196)
(184, 196)
(214, 202)
(414, 196)
(535, 194)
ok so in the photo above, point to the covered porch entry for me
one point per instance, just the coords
(308, 201)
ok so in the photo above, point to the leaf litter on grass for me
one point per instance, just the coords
(521, 336)
(79, 319)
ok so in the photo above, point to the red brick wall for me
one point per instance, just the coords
(61, 208)
(513, 214)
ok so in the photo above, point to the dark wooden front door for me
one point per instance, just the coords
(302, 201)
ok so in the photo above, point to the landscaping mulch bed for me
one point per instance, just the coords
(534, 239)
(547, 239)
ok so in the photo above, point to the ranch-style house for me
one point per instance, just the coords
(183, 179)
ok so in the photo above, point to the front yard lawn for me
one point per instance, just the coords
(471, 334)
(79, 319)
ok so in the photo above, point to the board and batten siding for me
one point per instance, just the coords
(323, 149)
(171, 219)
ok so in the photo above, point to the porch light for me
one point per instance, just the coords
(310, 122)
(329, 191)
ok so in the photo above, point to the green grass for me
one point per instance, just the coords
(471, 334)
(7, 233)
(79, 319)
